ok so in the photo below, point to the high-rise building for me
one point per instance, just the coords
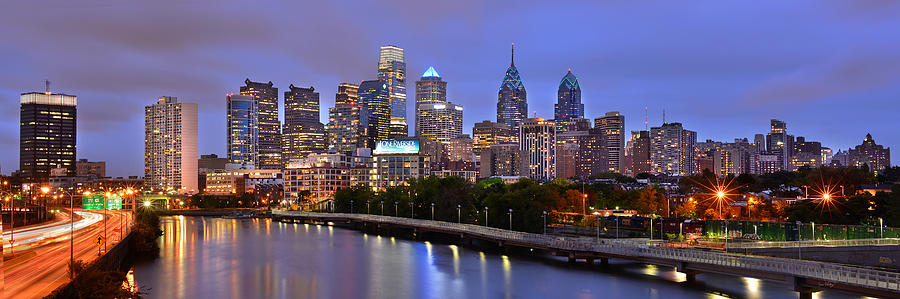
(537, 141)
(568, 96)
(170, 146)
(502, 160)
(591, 158)
(460, 149)
(512, 101)
(46, 134)
(392, 70)
(805, 153)
(95, 169)
(640, 152)
(269, 142)
(875, 157)
(613, 126)
(672, 150)
(398, 129)
(567, 146)
(376, 98)
(439, 122)
(302, 134)
(430, 89)
(242, 136)
(348, 121)
(779, 143)
(487, 133)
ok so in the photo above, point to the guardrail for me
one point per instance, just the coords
(828, 272)
(786, 244)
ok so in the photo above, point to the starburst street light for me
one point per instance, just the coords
(719, 192)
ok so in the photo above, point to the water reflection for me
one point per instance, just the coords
(223, 258)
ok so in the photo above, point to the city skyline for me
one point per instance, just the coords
(719, 103)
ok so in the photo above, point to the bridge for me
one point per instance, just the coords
(805, 277)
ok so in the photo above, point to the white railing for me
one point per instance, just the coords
(828, 272)
(817, 243)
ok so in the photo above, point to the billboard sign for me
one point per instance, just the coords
(95, 202)
(390, 147)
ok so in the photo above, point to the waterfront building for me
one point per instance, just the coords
(302, 133)
(88, 169)
(46, 134)
(170, 146)
(242, 133)
(430, 89)
(320, 174)
(874, 156)
(512, 100)
(269, 127)
(348, 121)
(568, 105)
(375, 96)
(392, 70)
(239, 181)
(501, 160)
(537, 141)
(208, 163)
(439, 122)
(672, 150)
(613, 126)
(397, 161)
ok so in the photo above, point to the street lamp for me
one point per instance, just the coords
(598, 224)
(584, 204)
(485, 216)
(351, 206)
(458, 214)
(396, 209)
(432, 211)
(544, 217)
(881, 226)
(382, 208)
(412, 211)
(510, 219)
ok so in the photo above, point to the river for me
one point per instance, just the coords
(205, 257)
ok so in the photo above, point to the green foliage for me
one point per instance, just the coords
(144, 234)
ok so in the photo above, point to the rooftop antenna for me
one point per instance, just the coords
(47, 86)
(664, 116)
(645, 117)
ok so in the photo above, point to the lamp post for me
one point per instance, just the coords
(351, 206)
(617, 227)
(544, 216)
(368, 207)
(105, 201)
(881, 226)
(651, 227)
(510, 219)
(412, 211)
(382, 208)
(598, 224)
(799, 248)
(432, 211)
(485, 216)
(458, 214)
(396, 209)
(584, 203)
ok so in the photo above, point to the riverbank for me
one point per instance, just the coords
(205, 212)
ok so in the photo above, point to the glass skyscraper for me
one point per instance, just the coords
(568, 105)
(302, 134)
(375, 97)
(269, 143)
(243, 130)
(512, 103)
(392, 70)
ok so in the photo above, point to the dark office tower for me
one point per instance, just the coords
(613, 125)
(640, 152)
(269, 143)
(512, 102)
(392, 70)
(374, 96)
(46, 134)
(591, 157)
(430, 89)
(348, 122)
(779, 143)
(302, 134)
(568, 96)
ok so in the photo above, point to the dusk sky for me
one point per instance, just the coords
(830, 69)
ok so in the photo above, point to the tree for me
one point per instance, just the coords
(651, 200)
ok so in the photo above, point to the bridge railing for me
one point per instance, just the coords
(827, 272)
(785, 244)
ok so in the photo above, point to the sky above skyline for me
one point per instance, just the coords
(831, 69)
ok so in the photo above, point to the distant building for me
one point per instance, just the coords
(512, 103)
(348, 121)
(430, 89)
(613, 126)
(242, 130)
(501, 160)
(592, 155)
(779, 143)
(46, 134)
(211, 161)
(567, 147)
(640, 152)
(392, 70)
(439, 122)
(537, 141)
(672, 150)
(302, 133)
(568, 101)
(269, 127)
(375, 96)
(397, 161)
(487, 133)
(87, 168)
(398, 129)
(170, 146)
(805, 153)
(875, 157)
(460, 149)
(468, 175)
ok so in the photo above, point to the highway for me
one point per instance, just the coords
(39, 263)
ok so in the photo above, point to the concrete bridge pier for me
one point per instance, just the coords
(804, 291)
(690, 275)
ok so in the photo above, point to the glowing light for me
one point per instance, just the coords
(45, 190)
(147, 203)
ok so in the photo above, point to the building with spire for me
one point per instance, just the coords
(269, 142)
(568, 97)
(512, 102)
(392, 70)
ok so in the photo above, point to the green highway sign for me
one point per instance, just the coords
(95, 202)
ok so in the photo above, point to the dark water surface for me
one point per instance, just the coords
(205, 257)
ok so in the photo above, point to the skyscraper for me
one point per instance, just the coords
(242, 138)
(613, 126)
(398, 129)
(875, 157)
(568, 105)
(46, 134)
(348, 121)
(375, 97)
(512, 101)
(779, 143)
(501, 160)
(392, 70)
(302, 134)
(591, 158)
(537, 141)
(269, 142)
(439, 122)
(430, 89)
(672, 150)
(640, 152)
(170, 146)
(487, 133)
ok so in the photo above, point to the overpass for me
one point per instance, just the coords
(805, 277)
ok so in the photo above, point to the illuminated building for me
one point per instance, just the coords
(430, 89)
(398, 129)
(512, 101)
(501, 160)
(320, 174)
(242, 130)
(875, 157)
(269, 139)
(170, 146)
(396, 161)
(375, 97)
(439, 122)
(468, 175)
(392, 70)
(591, 157)
(460, 149)
(805, 153)
(568, 105)
(779, 143)
(46, 134)
(640, 152)
(487, 133)
(567, 146)
(348, 121)
(672, 150)
(537, 141)
(302, 134)
(240, 181)
(613, 126)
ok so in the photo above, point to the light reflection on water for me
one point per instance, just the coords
(205, 257)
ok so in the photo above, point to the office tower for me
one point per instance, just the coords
(613, 126)
(302, 134)
(170, 146)
(242, 138)
(269, 140)
(460, 149)
(537, 141)
(640, 152)
(392, 70)
(759, 141)
(375, 97)
(430, 89)
(779, 143)
(348, 121)
(572, 124)
(46, 134)
(439, 122)
(875, 157)
(398, 129)
(502, 160)
(487, 133)
(568, 105)
(512, 101)
(805, 153)
(591, 158)
(85, 168)
(672, 150)
(567, 146)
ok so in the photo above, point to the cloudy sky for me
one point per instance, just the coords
(831, 69)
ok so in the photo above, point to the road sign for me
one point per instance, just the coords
(95, 202)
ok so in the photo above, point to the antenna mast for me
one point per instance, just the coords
(47, 86)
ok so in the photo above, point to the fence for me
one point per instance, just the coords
(785, 231)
